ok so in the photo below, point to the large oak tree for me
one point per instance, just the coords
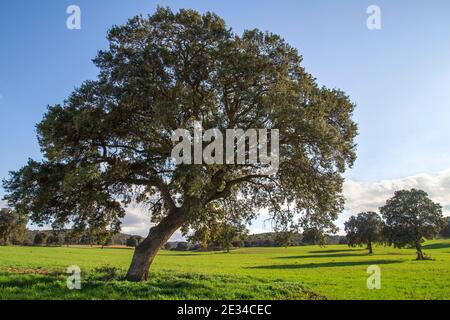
(411, 216)
(110, 142)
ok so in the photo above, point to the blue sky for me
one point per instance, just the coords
(398, 76)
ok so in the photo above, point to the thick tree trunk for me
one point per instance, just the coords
(419, 252)
(146, 251)
(369, 246)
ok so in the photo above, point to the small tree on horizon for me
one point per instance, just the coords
(39, 239)
(12, 226)
(410, 216)
(364, 229)
(54, 239)
(445, 233)
(219, 230)
(229, 234)
(314, 236)
(132, 242)
(283, 238)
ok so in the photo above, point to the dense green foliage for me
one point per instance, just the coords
(67, 237)
(309, 272)
(133, 241)
(12, 226)
(411, 216)
(110, 142)
(40, 238)
(364, 229)
(314, 236)
(445, 233)
(217, 232)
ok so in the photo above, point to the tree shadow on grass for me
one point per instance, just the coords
(165, 285)
(332, 255)
(337, 250)
(38, 287)
(436, 246)
(183, 254)
(195, 253)
(327, 264)
(25, 280)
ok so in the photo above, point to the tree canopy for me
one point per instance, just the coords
(364, 229)
(12, 226)
(219, 230)
(39, 239)
(411, 216)
(110, 142)
(445, 233)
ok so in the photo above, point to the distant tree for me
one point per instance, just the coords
(99, 235)
(314, 236)
(202, 236)
(54, 239)
(284, 238)
(74, 236)
(315, 228)
(445, 233)
(238, 243)
(219, 230)
(182, 246)
(67, 239)
(273, 239)
(39, 239)
(364, 229)
(132, 242)
(12, 226)
(227, 234)
(411, 216)
(111, 140)
(108, 241)
(86, 239)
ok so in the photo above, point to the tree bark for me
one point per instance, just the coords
(369, 246)
(146, 251)
(419, 251)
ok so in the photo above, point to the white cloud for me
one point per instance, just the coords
(369, 197)
(177, 236)
(137, 222)
(259, 230)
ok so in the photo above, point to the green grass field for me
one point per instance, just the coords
(311, 272)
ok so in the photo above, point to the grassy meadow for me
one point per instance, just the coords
(310, 272)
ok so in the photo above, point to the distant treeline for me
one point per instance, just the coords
(65, 237)
(270, 239)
